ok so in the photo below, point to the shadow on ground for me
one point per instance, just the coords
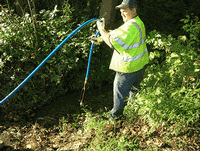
(97, 100)
(9, 148)
(67, 107)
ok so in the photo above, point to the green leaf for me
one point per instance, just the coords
(158, 91)
(44, 76)
(183, 89)
(174, 93)
(45, 32)
(197, 90)
(174, 55)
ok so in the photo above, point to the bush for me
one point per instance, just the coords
(26, 41)
(171, 87)
(165, 15)
(192, 27)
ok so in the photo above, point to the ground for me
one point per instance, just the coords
(62, 125)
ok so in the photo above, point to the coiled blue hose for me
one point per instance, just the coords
(49, 56)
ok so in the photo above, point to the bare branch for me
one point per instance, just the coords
(23, 15)
(33, 20)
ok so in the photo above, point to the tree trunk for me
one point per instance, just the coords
(108, 11)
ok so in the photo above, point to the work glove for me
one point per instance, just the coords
(101, 24)
(96, 40)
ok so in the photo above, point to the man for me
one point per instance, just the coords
(130, 56)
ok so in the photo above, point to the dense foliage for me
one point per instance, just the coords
(165, 16)
(171, 87)
(168, 105)
(26, 41)
(160, 14)
(164, 114)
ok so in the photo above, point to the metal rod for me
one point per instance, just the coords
(88, 68)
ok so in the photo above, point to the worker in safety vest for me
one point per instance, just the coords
(130, 55)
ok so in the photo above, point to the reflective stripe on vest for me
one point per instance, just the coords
(119, 41)
(130, 54)
(134, 58)
(125, 46)
(136, 45)
(138, 27)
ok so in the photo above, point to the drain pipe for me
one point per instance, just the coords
(47, 58)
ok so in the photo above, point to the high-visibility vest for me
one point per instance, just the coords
(130, 54)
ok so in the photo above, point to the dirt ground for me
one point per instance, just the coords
(43, 129)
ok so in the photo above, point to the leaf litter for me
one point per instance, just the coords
(48, 133)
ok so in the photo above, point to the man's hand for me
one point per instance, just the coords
(96, 40)
(104, 34)
(101, 24)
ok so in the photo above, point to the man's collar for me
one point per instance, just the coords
(134, 17)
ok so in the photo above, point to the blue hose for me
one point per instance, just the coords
(88, 68)
(89, 60)
(49, 56)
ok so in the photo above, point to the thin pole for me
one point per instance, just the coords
(88, 68)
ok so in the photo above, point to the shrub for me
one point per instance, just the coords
(171, 88)
(192, 27)
(26, 41)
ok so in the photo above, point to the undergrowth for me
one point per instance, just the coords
(168, 104)
(25, 41)
(166, 108)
